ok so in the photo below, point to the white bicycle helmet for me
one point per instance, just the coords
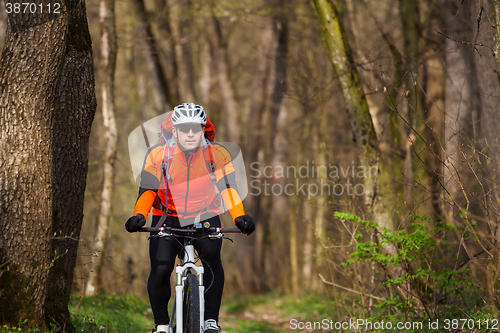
(189, 113)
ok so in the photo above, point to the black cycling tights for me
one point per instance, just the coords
(163, 253)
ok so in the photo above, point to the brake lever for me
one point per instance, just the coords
(219, 235)
(224, 237)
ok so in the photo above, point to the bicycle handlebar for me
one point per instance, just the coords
(191, 230)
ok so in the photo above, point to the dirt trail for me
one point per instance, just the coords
(268, 313)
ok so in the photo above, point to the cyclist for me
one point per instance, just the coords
(192, 194)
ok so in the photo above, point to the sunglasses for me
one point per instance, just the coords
(185, 128)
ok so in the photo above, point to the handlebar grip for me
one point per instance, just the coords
(230, 230)
(149, 229)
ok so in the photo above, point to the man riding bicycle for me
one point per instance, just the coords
(183, 179)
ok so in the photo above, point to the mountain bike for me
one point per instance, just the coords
(189, 302)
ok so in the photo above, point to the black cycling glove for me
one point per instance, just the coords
(135, 223)
(245, 224)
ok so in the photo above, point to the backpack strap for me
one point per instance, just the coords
(166, 163)
(208, 155)
(211, 164)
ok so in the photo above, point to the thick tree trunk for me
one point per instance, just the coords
(151, 54)
(47, 106)
(108, 54)
(221, 57)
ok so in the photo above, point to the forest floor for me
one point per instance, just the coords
(262, 317)
(272, 312)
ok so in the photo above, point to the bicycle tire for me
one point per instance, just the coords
(191, 309)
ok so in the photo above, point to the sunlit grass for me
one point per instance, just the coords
(117, 313)
(103, 313)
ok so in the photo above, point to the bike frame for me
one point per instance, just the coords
(187, 265)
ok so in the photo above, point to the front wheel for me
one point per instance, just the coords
(191, 306)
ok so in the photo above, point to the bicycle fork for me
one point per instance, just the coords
(181, 273)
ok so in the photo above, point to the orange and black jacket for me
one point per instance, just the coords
(189, 189)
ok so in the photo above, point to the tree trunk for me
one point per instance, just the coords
(167, 43)
(278, 223)
(360, 119)
(392, 135)
(186, 33)
(460, 101)
(232, 109)
(319, 149)
(488, 77)
(281, 37)
(259, 102)
(278, 130)
(47, 108)
(409, 14)
(167, 99)
(496, 47)
(206, 81)
(259, 98)
(108, 49)
(308, 248)
(3, 27)
(434, 135)
(294, 246)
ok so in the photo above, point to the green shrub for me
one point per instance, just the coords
(441, 287)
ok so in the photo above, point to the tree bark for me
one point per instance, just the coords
(186, 33)
(434, 135)
(3, 27)
(278, 133)
(232, 109)
(359, 116)
(409, 14)
(486, 135)
(167, 40)
(108, 55)
(167, 99)
(460, 101)
(252, 271)
(496, 47)
(308, 248)
(47, 106)
(281, 37)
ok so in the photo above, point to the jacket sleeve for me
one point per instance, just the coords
(226, 182)
(150, 181)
